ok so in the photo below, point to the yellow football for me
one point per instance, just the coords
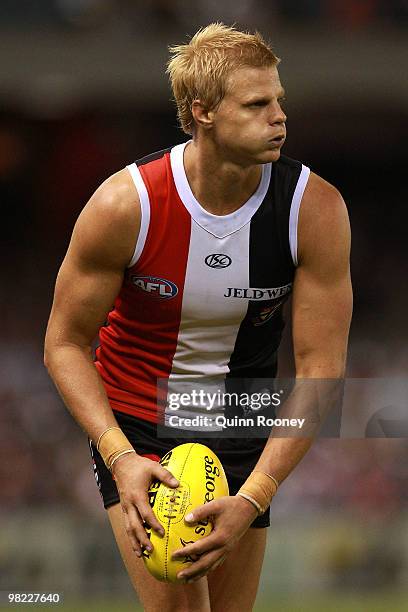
(202, 479)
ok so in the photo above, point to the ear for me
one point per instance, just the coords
(202, 116)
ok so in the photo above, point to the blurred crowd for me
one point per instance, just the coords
(166, 14)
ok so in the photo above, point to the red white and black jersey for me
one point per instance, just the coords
(203, 294)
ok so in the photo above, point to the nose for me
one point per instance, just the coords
(277, 116)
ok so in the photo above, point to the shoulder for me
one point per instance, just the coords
(320, 196)
(108, 226)
(323, 220)
(116, 198)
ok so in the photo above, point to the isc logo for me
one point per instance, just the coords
(157, 287)
(218, 260)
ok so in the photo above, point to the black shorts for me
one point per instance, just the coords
(238, 456)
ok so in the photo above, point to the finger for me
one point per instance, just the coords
(204, 511)
(136, 530)
(165, 476)
(149, 517)
(210, 542)
(200, 568)
(133, 540)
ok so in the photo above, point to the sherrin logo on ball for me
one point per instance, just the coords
(202, 479)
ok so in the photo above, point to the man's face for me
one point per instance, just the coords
(249, 124)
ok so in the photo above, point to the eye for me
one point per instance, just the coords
(282, 100)
(258, 103)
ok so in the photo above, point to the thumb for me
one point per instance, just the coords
(165, 476)
(202, 512)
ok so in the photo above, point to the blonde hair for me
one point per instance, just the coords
(200, 68)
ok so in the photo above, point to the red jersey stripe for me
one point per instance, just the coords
(138, 344)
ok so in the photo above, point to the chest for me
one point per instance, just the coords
(213, 280)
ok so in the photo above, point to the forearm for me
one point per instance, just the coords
(72, 369)
(78, 382)
(281, 456)
(309, 403)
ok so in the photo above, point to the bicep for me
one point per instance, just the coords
(321, 321)
(82, 299)
(322, 297)
(92, 272)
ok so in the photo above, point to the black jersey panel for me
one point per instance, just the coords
(152, 157)
(270, 266)
(285, 177)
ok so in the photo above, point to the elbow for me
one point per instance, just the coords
(50, 349)
(323, 371)
(57, 352)
(47, 358)
(321, 366)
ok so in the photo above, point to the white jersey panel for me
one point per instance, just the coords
(144, 210)
(294, 212)
(209, 321)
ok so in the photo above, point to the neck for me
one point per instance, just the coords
(220, 185)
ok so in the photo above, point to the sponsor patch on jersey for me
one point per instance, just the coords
(269, 293)
(266, 313)
(218, 260)
(159, 288)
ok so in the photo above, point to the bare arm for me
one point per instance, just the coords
(88, 282)
(322, 306)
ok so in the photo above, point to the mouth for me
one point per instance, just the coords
(278, 140)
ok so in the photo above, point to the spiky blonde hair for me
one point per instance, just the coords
(200, 68)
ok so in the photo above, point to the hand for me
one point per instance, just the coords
(133, 475)
(231, 517)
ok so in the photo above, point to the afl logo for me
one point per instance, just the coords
(159, 288)
(218, 260)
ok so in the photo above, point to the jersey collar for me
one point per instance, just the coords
(218, 225)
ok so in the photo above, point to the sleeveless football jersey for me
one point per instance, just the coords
(203, 295)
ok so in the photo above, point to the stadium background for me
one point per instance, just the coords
(83, 92)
